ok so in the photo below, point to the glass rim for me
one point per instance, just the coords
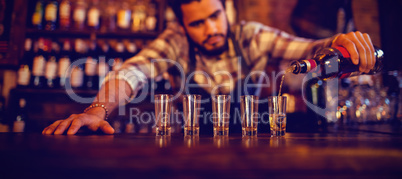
(253, 96)
(277, 97)
(196, 95)
(158, 95)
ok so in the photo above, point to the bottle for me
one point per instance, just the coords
(65, 15)
(77, 77)
(51, 66)
(123, 16)
(93, 15)
(79, 15)
(90, 79)
(334, 63)
(104, 59)
(118, 56)
(139, 16)
(38, 15)
(151, 20)
(108, 18)
(64, 64)
(51, 14)
(38, 66)
(19, 122)
(24, 72)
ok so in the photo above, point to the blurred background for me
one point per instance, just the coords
(39, 38)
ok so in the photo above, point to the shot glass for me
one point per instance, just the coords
(191, 110)
(221, 114)
(163, 103)
(249, 115)
(277, 115)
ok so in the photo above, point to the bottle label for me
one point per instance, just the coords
(343, 51)
(64, 64)
(150, 23)
(65, 10)
(90, 67)
(79, 15)
(51, 12)
(51, 69)
(123, 18)
(93, 17)
(37, 18)
(38, 66)
(77, 77)
(23, 76)
(311, 64)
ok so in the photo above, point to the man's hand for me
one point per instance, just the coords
(360, 48)
(93, 119)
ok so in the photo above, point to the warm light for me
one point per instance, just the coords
(338, 115)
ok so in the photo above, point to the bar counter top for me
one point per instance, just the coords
(342, 153)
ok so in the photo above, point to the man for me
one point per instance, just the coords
(202, 45)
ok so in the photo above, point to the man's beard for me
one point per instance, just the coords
(214, 52)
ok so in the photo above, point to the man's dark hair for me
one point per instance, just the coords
(176, 7)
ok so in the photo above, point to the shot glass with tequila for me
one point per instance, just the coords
(191, 110)
(249, 115)
(277, 115)
(163, 104)
(221, 114)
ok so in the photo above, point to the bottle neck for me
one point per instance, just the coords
(303, 66)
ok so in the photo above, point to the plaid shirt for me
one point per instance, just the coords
(260, 44)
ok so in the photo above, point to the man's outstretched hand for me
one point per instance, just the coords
(93, 119)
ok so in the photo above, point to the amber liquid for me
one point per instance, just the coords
(221, 131)
(249, 131)
(277, 124)
(191, 130)
(290, 69)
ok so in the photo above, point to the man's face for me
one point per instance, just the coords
(206, 24)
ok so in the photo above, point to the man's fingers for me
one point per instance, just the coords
(62, 127)
(50, 129)
(76, 124)
(367, 39)
(368, 52)
(344, 41)
(106, 128)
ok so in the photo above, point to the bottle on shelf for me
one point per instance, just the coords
(77, 72)
(65, 15)
(24, 73)
(37, 16)
(79, 14)
(151, 20)
(64, 64)
(335, 63)
(123, 16)
(90, 78)
(51, 14)
(19, 122)
(108, 18)
(77, 77)
(38, 66)
(93, 15)
(131, 49)
(118, 56)
(138, 16)
(103, 65)
(51, 66)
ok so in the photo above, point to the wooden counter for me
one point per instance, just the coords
(345, 153)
